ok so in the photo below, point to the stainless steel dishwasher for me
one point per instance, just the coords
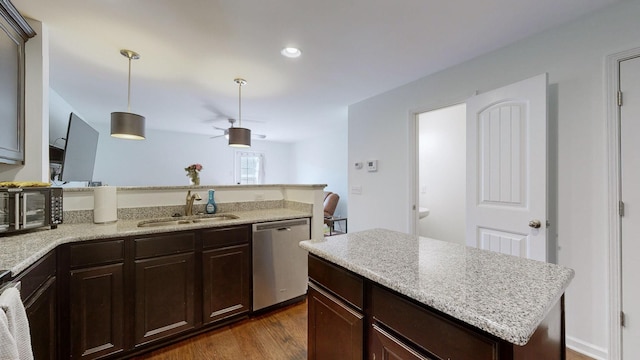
(279, 264)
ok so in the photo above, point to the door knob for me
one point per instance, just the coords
(535, 224)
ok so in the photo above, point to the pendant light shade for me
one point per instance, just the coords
(239, 136)
(127, 125)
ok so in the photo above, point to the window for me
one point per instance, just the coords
(249, 167)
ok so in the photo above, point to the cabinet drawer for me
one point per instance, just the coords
(429, 330)
(96, 253)
(37, 274)
(220, 237)
(344, 284)
(166, 244)
(387, 346)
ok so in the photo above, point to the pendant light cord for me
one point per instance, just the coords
(240, 104)
(129, 88)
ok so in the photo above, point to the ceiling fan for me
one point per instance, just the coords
(226, 131)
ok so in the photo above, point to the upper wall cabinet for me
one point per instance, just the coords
(14, 32)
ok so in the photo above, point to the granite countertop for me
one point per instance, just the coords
(503, 295)
(20, 251)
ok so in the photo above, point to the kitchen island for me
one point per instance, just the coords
(380, 292)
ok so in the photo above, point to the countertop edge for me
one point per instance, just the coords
(124, 228)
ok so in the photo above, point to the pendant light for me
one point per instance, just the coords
(239, 136)
(127, 125)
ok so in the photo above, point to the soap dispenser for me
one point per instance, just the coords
(211, 207)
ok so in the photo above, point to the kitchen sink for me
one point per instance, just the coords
(182, 221)
(214, 218)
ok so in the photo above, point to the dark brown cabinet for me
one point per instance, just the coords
(385, 346)
(336, 331)
(97, 311)
(335, 301)
(96, 299)
(226, 273)
(39, 294)
(433, 332)
(399, 328)
(164, 286)
(116, 298)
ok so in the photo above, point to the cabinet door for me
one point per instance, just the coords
(164, 296)
(97, 311)
(386, 347)
(14, 31)
(41, 312)
(226, 282)
(335, 331)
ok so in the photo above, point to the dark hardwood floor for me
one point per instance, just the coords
(279, 335)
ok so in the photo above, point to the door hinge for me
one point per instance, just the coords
(619, 98)
(621, 208)
(622, 318)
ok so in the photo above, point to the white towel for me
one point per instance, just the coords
(15, 339)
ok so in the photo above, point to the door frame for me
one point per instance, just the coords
(612, 83)
(414, 159)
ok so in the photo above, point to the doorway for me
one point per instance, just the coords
(623, 100)
(441, 173)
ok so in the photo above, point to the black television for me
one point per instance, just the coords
(79, 151)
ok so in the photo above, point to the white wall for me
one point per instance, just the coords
(59, 110)
(322, 159)
(573, 55)
(442, 173)
(160, 159)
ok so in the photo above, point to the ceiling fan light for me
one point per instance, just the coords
(126, 125)
(239, 137)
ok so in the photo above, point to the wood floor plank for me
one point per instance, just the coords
(279, 335)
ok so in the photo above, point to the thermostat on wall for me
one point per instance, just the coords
(358, 165)
(372, 165)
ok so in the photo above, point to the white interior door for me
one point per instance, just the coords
(630, 195)
(507, 169)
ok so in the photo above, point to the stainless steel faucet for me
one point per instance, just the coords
(188, 207)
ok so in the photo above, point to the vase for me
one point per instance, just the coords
(194, 179)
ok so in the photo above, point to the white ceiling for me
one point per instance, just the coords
(191, 50)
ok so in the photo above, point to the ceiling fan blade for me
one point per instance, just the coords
(258, 136)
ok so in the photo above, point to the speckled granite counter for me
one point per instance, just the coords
(20, 251)
(503, 295)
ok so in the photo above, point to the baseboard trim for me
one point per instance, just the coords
(585, 348)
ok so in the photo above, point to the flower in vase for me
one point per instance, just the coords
(193, 172)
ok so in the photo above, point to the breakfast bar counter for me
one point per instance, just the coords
(501, 295)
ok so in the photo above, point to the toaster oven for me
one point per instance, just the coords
(29, 208)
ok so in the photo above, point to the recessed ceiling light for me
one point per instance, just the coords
(291, 52)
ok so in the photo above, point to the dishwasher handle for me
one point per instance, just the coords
(279, 225)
